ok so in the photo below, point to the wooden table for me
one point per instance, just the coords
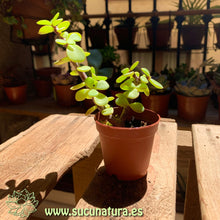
(203, 192)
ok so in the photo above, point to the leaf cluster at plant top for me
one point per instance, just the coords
(91, 87)
(191, 82)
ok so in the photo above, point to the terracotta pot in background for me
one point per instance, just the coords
(43, 88)
(64, 95)
(157, 103)
(122, 34)
(126, 151)
(192, 36)
(163, 34)
(192, 108)
(16, 95)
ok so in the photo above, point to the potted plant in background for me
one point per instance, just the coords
(193, 29)
(163, 32)
(193, 93)
(62, 84)
(97, 35)
(121, 130)
(122, 32)
(43, 84)
(14, 85)
(158, 100)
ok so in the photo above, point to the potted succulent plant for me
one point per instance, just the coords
(193, 93)
(158, 100)
(122, 32)
(193, 29)
(163, 32)
(15, 86)
(127, 132)
(62, 84)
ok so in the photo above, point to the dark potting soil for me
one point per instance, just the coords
(134, 123)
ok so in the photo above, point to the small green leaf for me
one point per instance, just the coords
(64, 35)
(101, 99)
(55, 17)
(110, 98)
(146, 91)
(146, 71)
(137, 107)
(78, 86)
(74, 36)
(107, 111)
(128, 84)
(92, 70)
(91, 110)
(98, 78)
(77, 55)
(74, 73)
(134, 65)
(125, 70)
(81, 94)
(90, 82)
(62, 61)
(156, 84)
(63, 26)
(102, 85)
(46, 30)
(44, 22)
(121, 78)
(143, 79)
(56, 22)
(141, 87)
(83, 68)
(93, 93)
(122, 101)
(60, 41)
(132, 94)
(137, 74)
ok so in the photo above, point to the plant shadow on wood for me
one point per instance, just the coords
(39, 187)
(107, 191)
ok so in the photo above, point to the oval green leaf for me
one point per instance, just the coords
(83, 68)
(74, 36)
(137, 107)
(102, 85)
(121, 78)
(44, 22)
(77, 55)
(46, 30)
(62, 61)
(91, 110)
(146, 71)
(81, 94)
(74, 73)
(56, 22)
(122, 101)
(134, 65)
(128, 84)
(101, 99)
(90, 82)
(132, 94)
(156, 84)
(60, 41)
(78, 86)
(107, 111)
(143, 79)
(63, 26)
(93, 93)
(125, 70)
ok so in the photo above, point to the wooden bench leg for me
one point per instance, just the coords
(84, 171)
(192, 207)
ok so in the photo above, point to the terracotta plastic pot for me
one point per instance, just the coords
(43, 88)
(157, 103)
(126, 151)
(65, 96)
(192, 108)
(16, 95)
(192, 36)
(163, 34)
(122, 34)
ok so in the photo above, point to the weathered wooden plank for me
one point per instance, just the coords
(206, 139)
(153, 195)
(37, 158)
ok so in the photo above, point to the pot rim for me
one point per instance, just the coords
(192, 96)
(129, 129)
